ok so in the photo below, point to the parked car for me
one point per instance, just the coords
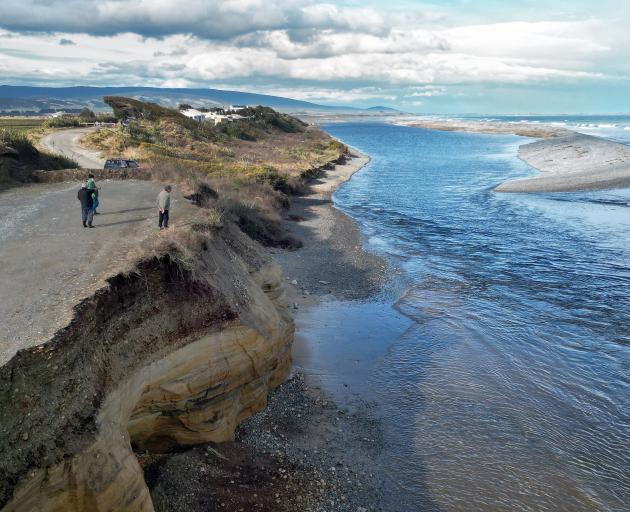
(120, 163)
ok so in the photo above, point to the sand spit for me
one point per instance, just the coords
(573, 162)
(458, 125)
(567, 161)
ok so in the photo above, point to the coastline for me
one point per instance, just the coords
(332, 261)
(303, 451)
(566, 161)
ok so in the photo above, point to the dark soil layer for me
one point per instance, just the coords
(300, 454)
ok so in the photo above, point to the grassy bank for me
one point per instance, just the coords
(19, 156)
(267, 144)
(20, 124)
(246, 168)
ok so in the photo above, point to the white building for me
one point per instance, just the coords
(215, 117)
(195, 114)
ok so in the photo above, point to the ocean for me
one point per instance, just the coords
(499, 360)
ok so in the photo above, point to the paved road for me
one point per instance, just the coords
(66, 142)
(49, 261)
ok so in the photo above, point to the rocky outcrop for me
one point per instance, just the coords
(176, 353)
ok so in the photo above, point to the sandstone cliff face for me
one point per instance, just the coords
(177, 353)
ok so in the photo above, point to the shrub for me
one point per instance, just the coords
(62, 122)
(272, 177)
(267, 117)
(252, 205)
(237, 130)
(87, 116)
(127, 108)
(28, 155)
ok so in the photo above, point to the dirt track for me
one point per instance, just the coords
(49, 261)
(66, 142)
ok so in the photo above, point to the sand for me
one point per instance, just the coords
(567, 161)
(573, 162)
(535, 130)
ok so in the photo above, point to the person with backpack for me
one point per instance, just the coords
(87, 206)
(91, 185)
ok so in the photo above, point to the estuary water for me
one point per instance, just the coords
(501, 367)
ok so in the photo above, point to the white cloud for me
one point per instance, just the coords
(328, 95)
(426, 91)
(320, 48)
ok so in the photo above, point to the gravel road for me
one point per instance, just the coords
(50, 261)
(66, 142)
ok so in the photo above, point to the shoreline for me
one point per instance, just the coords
(566, 161)
(332, 262)
(303, 451)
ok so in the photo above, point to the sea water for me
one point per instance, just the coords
(501, 367)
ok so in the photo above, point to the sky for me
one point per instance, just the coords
(440, 56)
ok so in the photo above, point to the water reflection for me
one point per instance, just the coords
(506, 384)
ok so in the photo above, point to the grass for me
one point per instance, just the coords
(18, 155)
(20, 124)
(245, 170)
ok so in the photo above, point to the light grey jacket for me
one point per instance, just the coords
(164, 200)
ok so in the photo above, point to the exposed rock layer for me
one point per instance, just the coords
(175, 354)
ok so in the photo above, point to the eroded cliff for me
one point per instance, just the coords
(175, 353)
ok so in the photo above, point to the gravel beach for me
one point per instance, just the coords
(332, 260)
(303, 452)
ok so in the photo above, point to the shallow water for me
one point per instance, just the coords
(503, 371)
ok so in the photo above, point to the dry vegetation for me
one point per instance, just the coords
(244, 169)
(20, 124)
(18, 157)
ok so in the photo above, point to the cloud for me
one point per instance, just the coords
(206, 19)
(328, 95)
(426, 91)
(307, 49)
(177, 52)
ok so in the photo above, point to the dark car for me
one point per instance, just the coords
(120, 163)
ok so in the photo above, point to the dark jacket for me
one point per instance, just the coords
(85, 196)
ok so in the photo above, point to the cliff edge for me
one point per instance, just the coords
(174, 353)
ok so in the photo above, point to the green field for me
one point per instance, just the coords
(20, 124)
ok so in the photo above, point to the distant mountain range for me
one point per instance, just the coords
(384, 109)
(31, 100)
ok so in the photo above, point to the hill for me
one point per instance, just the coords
(253, 163)
(46, 99)
(389, 110)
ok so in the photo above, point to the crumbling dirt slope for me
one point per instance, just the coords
(176, 353)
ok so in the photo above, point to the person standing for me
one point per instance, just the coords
(87, 206)
(91, 185)
(164, 204)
